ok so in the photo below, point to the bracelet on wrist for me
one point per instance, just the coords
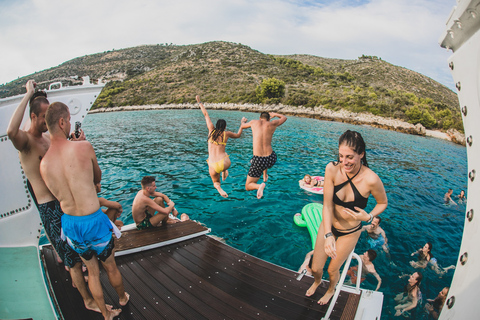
(371, 218)
(328, 234)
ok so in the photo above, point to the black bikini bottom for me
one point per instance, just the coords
(339, 233)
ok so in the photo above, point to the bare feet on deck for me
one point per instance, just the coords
(112, 313)
(92, 306)
(123, 302)
(224, 175)
(220, 190)
(260, 190)
(326, 297)
(312, 289)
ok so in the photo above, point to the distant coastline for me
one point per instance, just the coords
(319, 113)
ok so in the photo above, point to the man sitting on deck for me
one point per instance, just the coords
(144, 207)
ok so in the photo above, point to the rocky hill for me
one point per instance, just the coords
(224, 72)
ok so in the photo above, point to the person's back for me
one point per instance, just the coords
(71, 169)
(262, 132)
(263, 155)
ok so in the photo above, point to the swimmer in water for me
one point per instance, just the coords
(348, 184)
(447, 198)
(461, 197)
(218, 159)
(408, 299)
(367, 268)
(377, 236)
(425, 257)
(434, 306)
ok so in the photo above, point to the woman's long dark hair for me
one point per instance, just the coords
(219, 129)
(354, 140)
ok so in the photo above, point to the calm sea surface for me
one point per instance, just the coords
(171, 145)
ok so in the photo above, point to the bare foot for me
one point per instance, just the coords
(92, 306)
(312, 289)
(112, 313)
(220, 190)
(184, 217)
(224, 175)
(324, 300)
(123, 302)
(260, 190)
(59, 260)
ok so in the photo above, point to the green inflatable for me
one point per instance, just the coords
(311, 217)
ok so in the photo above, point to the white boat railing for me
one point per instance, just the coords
(342, 280)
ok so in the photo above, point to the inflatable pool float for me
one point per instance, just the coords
(317, 190)
(311, 217)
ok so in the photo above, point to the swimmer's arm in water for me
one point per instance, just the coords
(210, 125)
(384, 235)
(378, 279)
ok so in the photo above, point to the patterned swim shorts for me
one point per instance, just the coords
(259, 164)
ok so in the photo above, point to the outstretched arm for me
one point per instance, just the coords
(240, 129)
(210, 125)
(19, 137)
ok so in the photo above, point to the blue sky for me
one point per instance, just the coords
(40, 34)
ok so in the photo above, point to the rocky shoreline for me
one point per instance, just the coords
(319, 113)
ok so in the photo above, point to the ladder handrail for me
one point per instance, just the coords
(338, 288)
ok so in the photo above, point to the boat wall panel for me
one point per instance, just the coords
(463, 294)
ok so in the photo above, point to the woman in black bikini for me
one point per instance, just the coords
(348, 184)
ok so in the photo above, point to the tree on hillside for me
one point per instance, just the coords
(271, 90)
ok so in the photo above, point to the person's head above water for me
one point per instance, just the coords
(415, 279)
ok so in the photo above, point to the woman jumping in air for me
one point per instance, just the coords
(218, 159)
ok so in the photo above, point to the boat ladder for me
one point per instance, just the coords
(342, 280)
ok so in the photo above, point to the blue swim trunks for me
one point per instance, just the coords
(376, 243)
(91, 234)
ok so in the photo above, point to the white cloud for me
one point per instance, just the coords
(39, 34)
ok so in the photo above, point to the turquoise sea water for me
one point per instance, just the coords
(171, 145)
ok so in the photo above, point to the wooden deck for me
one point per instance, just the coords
(198, 278)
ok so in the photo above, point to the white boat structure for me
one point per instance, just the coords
(217, 281)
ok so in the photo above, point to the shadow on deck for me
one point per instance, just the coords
(197, 278)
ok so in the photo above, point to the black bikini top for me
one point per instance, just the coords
(360, 201)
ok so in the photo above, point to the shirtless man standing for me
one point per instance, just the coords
(377, 234)
(32, 146)
(263, 155)
(70, 171)
(144, 207)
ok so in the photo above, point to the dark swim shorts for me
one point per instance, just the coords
(51, 215)
(145, 224)
(259, 164)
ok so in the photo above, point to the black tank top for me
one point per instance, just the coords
(359, 200)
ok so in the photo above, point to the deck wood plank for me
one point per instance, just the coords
(199, 278)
